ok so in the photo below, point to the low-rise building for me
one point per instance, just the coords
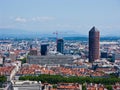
(50, 59)
(26, 85)
(92, 86)
(116, 86)
(69, 86)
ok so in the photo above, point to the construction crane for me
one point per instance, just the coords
(56, 33)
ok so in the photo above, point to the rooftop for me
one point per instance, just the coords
(94, 29)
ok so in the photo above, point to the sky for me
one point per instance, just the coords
(64, 16)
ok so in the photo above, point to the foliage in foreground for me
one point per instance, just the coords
(23, 60)
(2, 80)
(54, 79)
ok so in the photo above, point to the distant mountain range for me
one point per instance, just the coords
(18, 33)
(25, 33)
(12, 31)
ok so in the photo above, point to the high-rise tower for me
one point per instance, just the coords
(60, 46)
(44, 49)
(94, 38)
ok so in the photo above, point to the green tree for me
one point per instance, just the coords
(109, 87)
(2, 80)
(23, 60)
(54, 79)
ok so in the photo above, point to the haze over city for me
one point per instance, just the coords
(60, 45)
(64, 16)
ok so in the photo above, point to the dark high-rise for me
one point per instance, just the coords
(30, 46)
(94, 38)
(44, 49)
(60, 46)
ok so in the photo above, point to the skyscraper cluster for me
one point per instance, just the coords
(94, 46)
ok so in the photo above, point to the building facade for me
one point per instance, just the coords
(50, 60)
(60, 46)
(94, 38)
(44, 49)
(33, 52)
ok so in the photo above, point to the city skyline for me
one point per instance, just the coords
(62, 16)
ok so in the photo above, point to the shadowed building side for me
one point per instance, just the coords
(94, 38)
(44, 49)
(60, 46)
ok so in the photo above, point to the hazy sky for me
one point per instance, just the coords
(76, 16)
